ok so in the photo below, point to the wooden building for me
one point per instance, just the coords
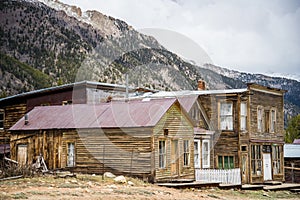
(12, 108)
(292, 162)
(249, 131)
(242, 128)
(152, 139)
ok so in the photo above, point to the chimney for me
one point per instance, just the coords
(26, 119)
(201, 85)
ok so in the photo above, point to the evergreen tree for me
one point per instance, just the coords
(293, 129)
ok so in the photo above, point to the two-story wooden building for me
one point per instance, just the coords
(249, 131)
(241, 128)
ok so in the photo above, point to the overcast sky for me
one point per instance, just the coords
(252, 36)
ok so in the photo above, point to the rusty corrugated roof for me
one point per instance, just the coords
(115, 114)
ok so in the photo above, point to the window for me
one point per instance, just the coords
(267, 120)
(243, 113)
(225, 162)
(197, 153)
(272, 121)
(1, 119)
(71, 155)
(186, 152)
(256, 160)
(205, 154)
(276, 159)
(162, 154)
(226, 119)
(260, 127)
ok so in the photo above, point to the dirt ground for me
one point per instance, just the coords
(87, 187)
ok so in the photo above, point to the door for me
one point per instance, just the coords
(22, 154)
(174, 158)
(71, 155)
(267, 167)
(245, 172)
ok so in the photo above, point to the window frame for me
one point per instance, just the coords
(205, 154)
(186, 153)
(260, 119)
(276, 159)
(256, 160)
(244, 116)
(221, 165)
(197, 154)
(74, 156)
(273, 120)
(162, 154)
(2, 120)
(223, 117)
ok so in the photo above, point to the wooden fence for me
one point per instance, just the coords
(225, 176)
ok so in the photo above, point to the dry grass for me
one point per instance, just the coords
(95, 187)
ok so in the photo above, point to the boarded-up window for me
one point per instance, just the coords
(243, 113)
(272, 121)
(226, 119)
(186, 152)
(256, 160)
(276, 159)
(71, 155)
(162, 153)
(22, 154)
(1, 119)
(205, 154)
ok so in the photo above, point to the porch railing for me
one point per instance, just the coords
(225, 176)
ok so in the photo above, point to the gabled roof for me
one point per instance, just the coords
(116, 114)
(292, 151)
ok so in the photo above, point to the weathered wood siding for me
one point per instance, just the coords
(267, 101)
(123, 151)
(292, 175)
(45, 143)
(12, 114)
(180, 129)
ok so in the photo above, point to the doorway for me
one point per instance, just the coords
(22, 154)
(267, 167)
(174, 158)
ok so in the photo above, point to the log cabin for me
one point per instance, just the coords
(12, 108)
(150, 139)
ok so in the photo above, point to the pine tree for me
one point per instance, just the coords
(293, 129)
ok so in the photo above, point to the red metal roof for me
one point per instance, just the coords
(296, 141)
(115, 114)
(187, 101)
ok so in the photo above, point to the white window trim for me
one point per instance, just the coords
(197, 165)
(226, 116)
(243, 117)
(208, 154)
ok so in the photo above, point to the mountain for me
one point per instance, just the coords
(47, 43)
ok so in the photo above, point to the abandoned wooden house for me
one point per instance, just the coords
(12, 108)
(249, 134)
(242, 128)
(152, 139)
(292, 162)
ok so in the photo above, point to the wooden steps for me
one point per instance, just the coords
(286, 186)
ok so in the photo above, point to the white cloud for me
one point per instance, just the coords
(256, 36)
